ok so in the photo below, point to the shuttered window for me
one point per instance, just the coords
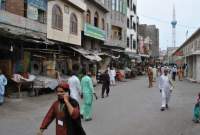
(57, 18)
(73, 24)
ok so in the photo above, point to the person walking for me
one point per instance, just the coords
(87, 92)
(66, 112)
(154, 73)
(196, 111)
(174, 72)
(106, 84)
(3, 83)
(165, 86)
(112, 76)
(162, 70)
(179, 73)
(150, 76)
(75, 87)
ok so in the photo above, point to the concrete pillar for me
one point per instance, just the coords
(198, 68)
(194, 67)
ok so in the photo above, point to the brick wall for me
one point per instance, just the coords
(15, 7)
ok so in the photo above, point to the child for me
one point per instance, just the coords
(196, 115)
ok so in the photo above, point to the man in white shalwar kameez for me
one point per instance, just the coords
(154, 73)
(112, 75)
(165, 86)
(75, 87)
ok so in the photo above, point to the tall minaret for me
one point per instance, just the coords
(174, 22)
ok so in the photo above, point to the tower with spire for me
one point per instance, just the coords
(174, 23)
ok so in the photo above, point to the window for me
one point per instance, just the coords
(113, 4)
(131, 22)
(128, 3)
(131, 7)
(116, 33)
(134, 8)
(57, 18)
(134, 26)
(73, 24)
(103, 24)
(3, 4)
(134, 44)
(42, 16)
(107, 30)
(127, 42)
(131, 41)
(88, 17)
(117, 5)
(96, 19)
(128, 22)
(121, 7)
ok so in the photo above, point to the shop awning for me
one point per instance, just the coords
(87, 54)
(132, 55)
(117, 50)
(144, 55)
(109, 55)
(193, 53)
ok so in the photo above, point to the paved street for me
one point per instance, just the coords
(131, 109)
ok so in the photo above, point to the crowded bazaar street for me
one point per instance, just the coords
(131, 109)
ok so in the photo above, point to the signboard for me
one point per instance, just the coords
(94, 32)
(179, 53)
(40, 4)
(32, 13)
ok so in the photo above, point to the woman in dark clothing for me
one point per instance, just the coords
(66, 112)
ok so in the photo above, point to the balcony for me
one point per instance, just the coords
(100, 4)
(19, 25)
(94, 32)
(78, 3)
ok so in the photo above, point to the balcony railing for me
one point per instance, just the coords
(10, 19)
(104, 6)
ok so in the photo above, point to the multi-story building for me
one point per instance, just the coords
(170, 50)
(94, 34)
(22, 28)
(64, 26)
(153, 33)
(94, 25)
(116, 24)
(189, 53)
(65, 21)
(131, 26)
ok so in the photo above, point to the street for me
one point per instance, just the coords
(131, 109)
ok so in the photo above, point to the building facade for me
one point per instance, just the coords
(189, 53)
(131, 26)
(94, 32)
(65, 21)
(94, 25)
(169, 55)
(116, 24)
(22, 29)
(153, 33)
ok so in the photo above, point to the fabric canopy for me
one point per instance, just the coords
(87, 54)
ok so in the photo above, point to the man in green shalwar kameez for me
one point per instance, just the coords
(87, 94)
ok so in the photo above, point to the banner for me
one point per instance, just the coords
(94, 32)
(40, 4)
(32, 13)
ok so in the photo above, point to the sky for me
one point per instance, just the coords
(159, 13)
